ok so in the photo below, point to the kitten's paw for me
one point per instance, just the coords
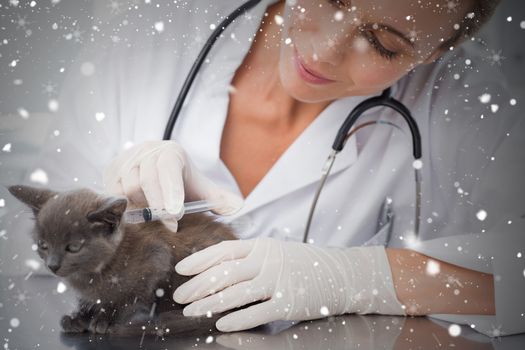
(72, 324)
(100, 323)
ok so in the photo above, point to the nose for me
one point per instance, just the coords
(53, 263)
(326, 50)
(53, 267)
(330, 48)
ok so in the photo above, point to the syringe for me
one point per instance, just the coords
(138, 216)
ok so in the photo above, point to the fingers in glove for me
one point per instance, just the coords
(231, 203)
(149, 182)
(171, 224)
(215, 279)
(112, 181)
(250, 317)
(213, 255)
(114, 187)
(169, 169)
(235, 296)
(132, 188)
(199, 187)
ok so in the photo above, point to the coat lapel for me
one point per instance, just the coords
(300, 165)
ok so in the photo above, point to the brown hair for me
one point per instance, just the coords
(479, 14)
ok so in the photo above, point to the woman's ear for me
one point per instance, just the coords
(109, 213)
(33, 197)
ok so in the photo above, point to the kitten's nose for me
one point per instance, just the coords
(53, 262)
(54, 267)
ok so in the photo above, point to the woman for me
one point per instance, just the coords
(259, 123)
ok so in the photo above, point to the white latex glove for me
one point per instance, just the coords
(297, 281)
(159, 174)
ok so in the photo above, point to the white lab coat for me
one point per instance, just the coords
(138, 74)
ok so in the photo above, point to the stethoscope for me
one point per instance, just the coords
(385, 100)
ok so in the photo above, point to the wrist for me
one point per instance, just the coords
(368, 281)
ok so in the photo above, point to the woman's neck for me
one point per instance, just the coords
(264, 82)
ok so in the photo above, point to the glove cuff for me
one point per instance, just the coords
(368, 282)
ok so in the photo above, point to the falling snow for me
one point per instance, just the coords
(100, 116)
(87, 69)
(14, 322)
(33, 264)
(39, 176)
(53, 105)
(324, 311)
(417, 164)
(159, 26)
(23, 113)
(485, 98)
(481, 215)
(433, 268)
(61, 287)
(454, 330)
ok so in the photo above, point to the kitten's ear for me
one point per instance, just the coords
(33, 197)
(110, 212)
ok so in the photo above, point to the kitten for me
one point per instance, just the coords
(123, 274)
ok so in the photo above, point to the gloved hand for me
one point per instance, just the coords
(295, 281)
(159, 174)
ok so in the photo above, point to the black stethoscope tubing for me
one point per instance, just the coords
(198, 63)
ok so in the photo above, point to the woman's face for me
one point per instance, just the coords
(360, 47)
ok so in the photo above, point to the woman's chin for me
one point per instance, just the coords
(302, 93)
(301, 90)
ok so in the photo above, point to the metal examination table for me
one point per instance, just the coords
(31, 307)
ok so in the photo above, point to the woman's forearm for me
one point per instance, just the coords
(429, 286)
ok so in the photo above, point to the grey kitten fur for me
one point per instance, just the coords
(123, 274)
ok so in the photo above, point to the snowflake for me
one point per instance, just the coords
(411, 307)
(115, 7)
(454, 281)
(248, 17)
(495, 57)
(21, 297)
(49, 88)
(414, 34)
(22, 23)
(77, 34)
(496, 331)
(452, 6)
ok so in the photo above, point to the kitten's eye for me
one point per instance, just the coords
(41, 244)
(74, 247)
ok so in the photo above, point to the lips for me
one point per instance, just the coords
(307, 73)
